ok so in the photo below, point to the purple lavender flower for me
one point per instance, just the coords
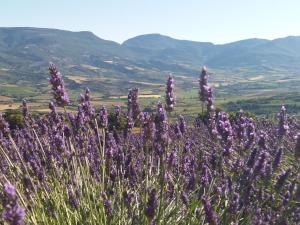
(182, 124)
(282, 178)
(251, 160)
(250, 133)
(85, 103)
(210, 215)
(172, 158)
(24, 108)
(205, 175)
(58, 87)
(108, 207)
(226, 133)
(234, 203)
(277, 158)
(132, 104)
(177, 130)
(283, 128)
(117, 113)
(72, 198)
(110, 145)
(128, 198)
(260, 167)
(103, 117)
(4, 126)
(151, 204)
(161, 126)
(14, 215)
(148, 128)
(203, 92)
(129, 126)
(262, 141)
(241, 125)
(170, 97)
(10, 191)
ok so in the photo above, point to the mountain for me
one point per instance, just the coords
(246, 53)
(88, 60)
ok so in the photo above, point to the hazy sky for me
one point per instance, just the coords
(218, 21)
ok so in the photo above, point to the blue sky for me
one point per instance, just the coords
(218, 21)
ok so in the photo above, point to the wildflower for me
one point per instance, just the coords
(103, 118)
(110, 145)
(277, 158)
(24, 108)
(4, 126)
(170, 97)
(182, 124)
(148, 127)
(203, 92)
(262, 141)
(282, 178)
(132, 104)
(211, 217)
(250, 133)
(10, 191)
(108, 207)
(58, 87)
(151, 204)
(225, 131)
(129, 125)
(241, 125)
(14, 215)
(283, 128)
(85, 103)
(161, 126)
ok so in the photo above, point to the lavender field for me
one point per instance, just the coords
(134, 167)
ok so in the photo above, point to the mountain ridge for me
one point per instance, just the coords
(26, 51)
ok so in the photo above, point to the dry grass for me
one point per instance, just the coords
(5, 98)
(9, 106)
(78, 79)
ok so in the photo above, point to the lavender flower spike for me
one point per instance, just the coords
(4, 126)
(283, 128)
(24, 108)
(161, 126)
(14, 215)
(170, 97)
(132, 104)
(211, 217)
(10, 191)
(58, 87)
(182, 124)
(297, 146)
(203, 85)
(103, 117)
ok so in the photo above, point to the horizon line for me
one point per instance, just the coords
(179, 39)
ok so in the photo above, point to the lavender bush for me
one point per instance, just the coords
(73, 168)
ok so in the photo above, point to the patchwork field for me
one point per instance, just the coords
(260, 93)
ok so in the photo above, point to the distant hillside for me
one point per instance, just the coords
(88, 60)
(283, 52)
